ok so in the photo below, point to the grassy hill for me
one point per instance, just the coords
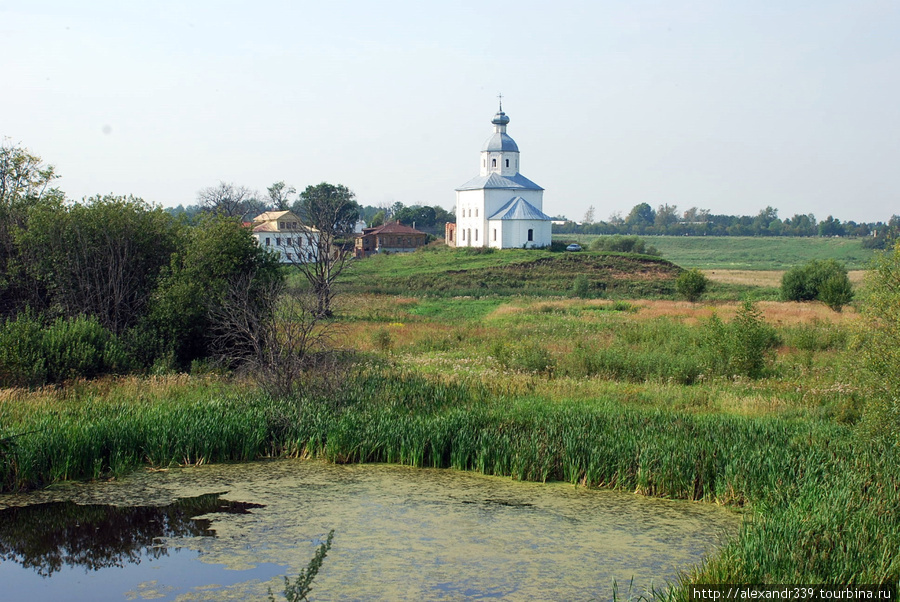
(481, 272)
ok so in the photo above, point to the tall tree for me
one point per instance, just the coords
(228, 200)
(279, 195)
(589, 215)
(332, 211)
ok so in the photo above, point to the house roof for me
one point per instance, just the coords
(392, 228)
(270, 216)
(272, 226)
(519, 208)
(495, 180)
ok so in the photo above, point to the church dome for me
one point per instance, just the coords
(500, 142)
(500, 118)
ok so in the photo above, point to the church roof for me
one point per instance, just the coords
(519, 208)
(500, 142)
(495, 180)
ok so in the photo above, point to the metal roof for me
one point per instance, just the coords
(500, 142)
(519, 208)
(495, 180)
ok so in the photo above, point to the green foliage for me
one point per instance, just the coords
(623, 244)
(300, 588)
(581, 287)
(691, 284)
(878, 342)
(526, 357)
(32, 354)
(215, 255)
(823, 280)
(743, 347)
(382, 340)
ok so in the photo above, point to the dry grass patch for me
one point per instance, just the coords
(784, 313)
(765, 278)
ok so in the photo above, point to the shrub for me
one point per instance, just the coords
(691, 284)
(823, 280)
(581, 287)
(623, 244)
(742, 347)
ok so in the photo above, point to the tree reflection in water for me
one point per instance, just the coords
(48, 536)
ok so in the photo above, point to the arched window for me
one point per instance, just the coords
(530, 235)
(476, 235)
(507, 162)
(464, 234)
(495, 233)
(476, 211)
(493, 163)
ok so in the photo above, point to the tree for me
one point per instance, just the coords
(589, 215)
(24, 183)
(691, 284)
(333, 212)
(823, 280)
(279, 195)
(641, 215)
(100, 257)
(229, 200)
(212, 256)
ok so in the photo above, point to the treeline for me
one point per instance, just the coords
(667, 220)
(430, 219)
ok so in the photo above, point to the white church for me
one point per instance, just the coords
(501, 208)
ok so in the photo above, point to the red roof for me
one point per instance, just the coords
(392, 228)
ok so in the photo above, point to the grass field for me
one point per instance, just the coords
(750, 253)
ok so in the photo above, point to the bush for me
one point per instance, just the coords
(741, 348)
(691, 284)
(822, 280)
(623, 244)
(581, 287)
(32, 355)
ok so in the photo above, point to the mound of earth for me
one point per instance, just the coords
(611, 274)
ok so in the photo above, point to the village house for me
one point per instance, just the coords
(282, 232)
(392, 237)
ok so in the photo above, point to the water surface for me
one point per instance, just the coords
(230, 531)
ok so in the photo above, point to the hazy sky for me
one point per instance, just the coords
(727, 106)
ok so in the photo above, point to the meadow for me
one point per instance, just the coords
(757, 406)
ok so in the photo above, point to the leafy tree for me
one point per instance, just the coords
(100, 258)
(213, 255)
(377, 220)
(641, 215)
(279, 195)
(823, 280)
(333, 212)
(691, 284)
(24, 183)
(589, 215)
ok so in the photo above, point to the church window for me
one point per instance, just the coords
(507, 162)
(495, 233)
(476, 211)
(493, 163)
(476, 235)
(530, 234)
(464, 234)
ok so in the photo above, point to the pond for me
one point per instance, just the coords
(233, 531)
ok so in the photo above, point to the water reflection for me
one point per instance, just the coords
(51, 535)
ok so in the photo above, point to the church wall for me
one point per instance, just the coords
(515, 233)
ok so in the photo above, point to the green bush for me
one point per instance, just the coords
(742, 347)
(623, 244)
(32, 354)
(581, 287)
(822, 280)
(691, 284)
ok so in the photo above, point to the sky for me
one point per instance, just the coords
(726, 106)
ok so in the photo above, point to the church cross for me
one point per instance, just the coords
(500, 96)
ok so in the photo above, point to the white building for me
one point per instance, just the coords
(501, 208)
(282, 232)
